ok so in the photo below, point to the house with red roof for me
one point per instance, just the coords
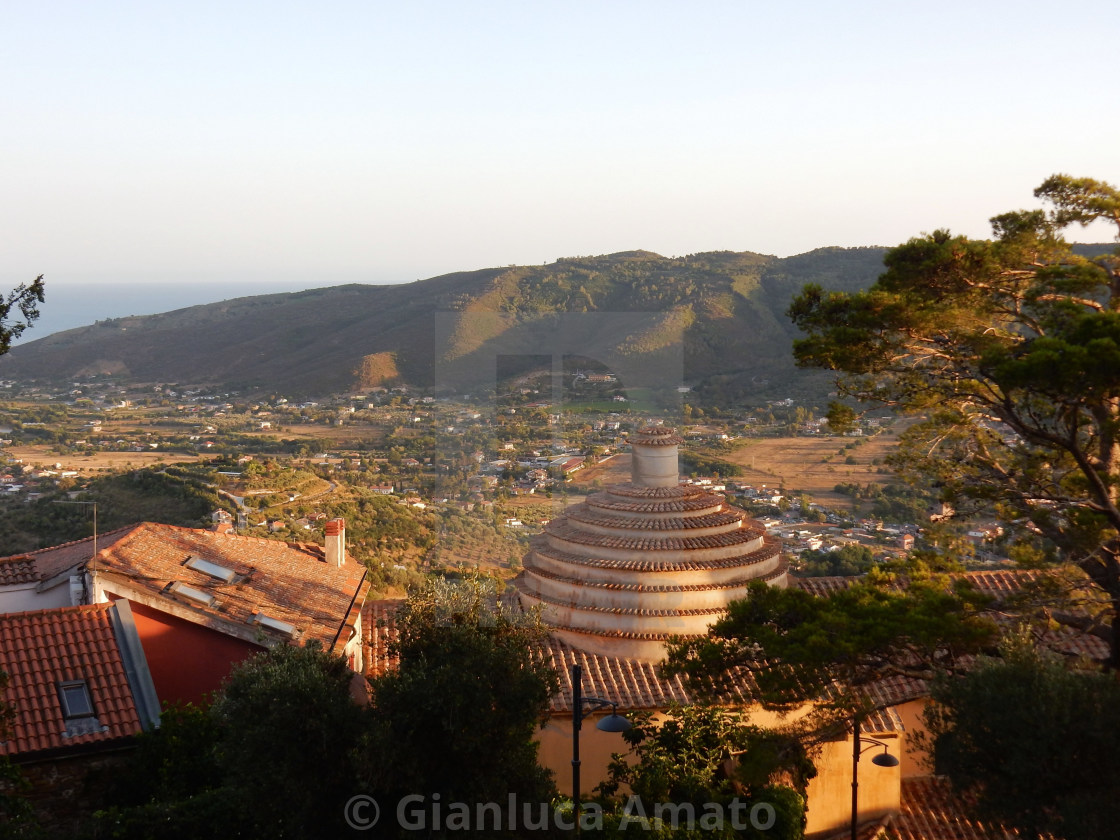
(203, 601)
(49, 577)
(81, 691)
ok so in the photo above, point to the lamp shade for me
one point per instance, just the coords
(613, 722)
(885, 759)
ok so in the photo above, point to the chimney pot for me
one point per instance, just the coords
(335, 546)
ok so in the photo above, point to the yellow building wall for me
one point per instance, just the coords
(595, 749)
(913, 759)
(829, 794)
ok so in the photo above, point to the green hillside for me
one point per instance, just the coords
(713, 320)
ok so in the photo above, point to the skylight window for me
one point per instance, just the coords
(275, 624)
(213, 569)
(197, 595)
(75, 699)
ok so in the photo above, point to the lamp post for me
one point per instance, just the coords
(614, 722)
(884, 759)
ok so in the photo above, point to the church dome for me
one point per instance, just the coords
(642, 561)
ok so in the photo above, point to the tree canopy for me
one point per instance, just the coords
(15, 812)
(276, 755)
(1008, 352)
(800, 647)
(458, 714)
(707, 761)
(24, 299)
(1031, 743)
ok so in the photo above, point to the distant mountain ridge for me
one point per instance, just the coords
(723, 310)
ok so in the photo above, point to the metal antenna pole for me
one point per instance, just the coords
(577, 719)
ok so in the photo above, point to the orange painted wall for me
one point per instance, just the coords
(187, 661)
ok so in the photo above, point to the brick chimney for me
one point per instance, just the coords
(336, 542)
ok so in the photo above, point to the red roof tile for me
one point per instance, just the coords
(633, 684)
(998, 583)
(711, 520)
(41, 649)
(770, 549)
(45, 563)
(655, 436)
(17, 569)
(289, 582)
(930, 811)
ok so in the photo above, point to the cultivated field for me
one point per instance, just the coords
(344, 433)
(98, 462)
(814, 465)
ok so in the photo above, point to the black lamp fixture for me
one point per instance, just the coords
(883, 759)
(614, 722)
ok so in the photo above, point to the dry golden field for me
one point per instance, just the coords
(814, 465)
(350, 432)
(98, 462)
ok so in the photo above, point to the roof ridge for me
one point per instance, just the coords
(206, 533)
(89, 539)
(44, 611)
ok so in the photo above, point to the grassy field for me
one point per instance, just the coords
(815, 465)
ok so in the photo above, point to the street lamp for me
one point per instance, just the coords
(614, 722)
(883, 759)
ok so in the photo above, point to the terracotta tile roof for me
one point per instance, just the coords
(41, 649)
(655, 436)
(881, 721)
(821, 586)
(560, 529)
(289, 582)
(603, 501)
(650, 587)
(17, 569)
(930, 811)
(1001, 582)
(998, 583)
(606, 520)
(634, 684)
(637, 685)
(768, 551)
(896, 689)
(681, 491)
(45, 563)
(377, 632)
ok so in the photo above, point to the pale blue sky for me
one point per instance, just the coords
(368, 141)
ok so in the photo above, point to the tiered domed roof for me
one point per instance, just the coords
(646, 560)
